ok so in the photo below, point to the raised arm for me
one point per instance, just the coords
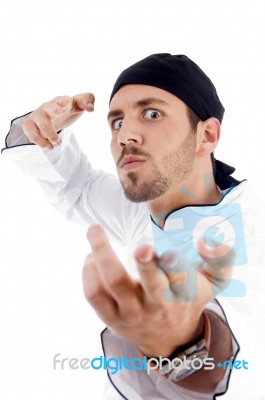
(43, 146)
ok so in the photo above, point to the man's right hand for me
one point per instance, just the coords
(42, 125)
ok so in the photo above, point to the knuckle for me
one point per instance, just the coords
(61, 100)
(93, 295)
(117, 280)
(44, 124)
(162, 314)
(63, 97)
(171, 262)
(135, 319)
(33, 135)
(98, 244)
(91, 96)
(157, 293)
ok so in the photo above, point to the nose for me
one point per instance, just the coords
(129, 133)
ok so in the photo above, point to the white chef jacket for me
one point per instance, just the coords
(88, 196)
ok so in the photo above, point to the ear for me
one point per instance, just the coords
(208, 136)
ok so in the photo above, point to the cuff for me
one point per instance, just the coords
(16, 135)
(133, 380)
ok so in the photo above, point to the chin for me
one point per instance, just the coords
(142, 194)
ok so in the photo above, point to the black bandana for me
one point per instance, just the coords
(178, 75)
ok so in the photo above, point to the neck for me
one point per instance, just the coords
(196, 190)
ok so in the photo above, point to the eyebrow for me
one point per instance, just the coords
(138, 104)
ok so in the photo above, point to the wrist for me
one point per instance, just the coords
(186, 359)
(201, 332)
(175, 342)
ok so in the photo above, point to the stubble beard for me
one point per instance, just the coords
(176, 166)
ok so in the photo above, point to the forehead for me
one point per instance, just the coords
(129, 95)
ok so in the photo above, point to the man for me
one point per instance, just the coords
(165, 119)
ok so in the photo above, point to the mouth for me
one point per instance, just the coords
(131, 162)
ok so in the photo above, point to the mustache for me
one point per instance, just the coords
(131, 151)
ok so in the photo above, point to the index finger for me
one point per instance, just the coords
(114, 276)
(83, 102)
(75, 104)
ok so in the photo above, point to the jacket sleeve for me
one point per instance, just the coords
(132, 379)
(79, 192)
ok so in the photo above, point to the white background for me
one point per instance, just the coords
(51, 48)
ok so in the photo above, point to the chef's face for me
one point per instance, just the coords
(152, 143)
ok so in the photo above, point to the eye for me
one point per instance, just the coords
(152, 114)
(117, 123)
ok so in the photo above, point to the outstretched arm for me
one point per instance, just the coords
(158, 313)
